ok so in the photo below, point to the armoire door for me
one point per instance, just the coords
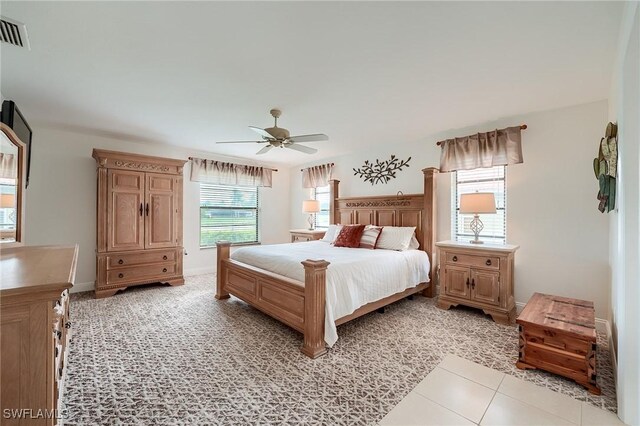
(161, 210)
(125, 210)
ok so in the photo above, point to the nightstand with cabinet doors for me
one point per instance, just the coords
(479, 276)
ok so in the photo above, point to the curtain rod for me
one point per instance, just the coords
(333, 164)
(522, 127)
(269, 168)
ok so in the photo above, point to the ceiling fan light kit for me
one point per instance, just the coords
(279, 137)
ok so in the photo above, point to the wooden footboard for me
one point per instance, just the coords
(299, 305)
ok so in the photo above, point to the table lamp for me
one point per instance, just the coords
(311, 207)
(7, 201)
(475, 204)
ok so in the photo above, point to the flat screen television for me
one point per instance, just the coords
(12, 117)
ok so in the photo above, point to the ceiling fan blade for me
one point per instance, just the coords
(301, 148)
(242, 142)
(265, 149)
(309, 138)
(261, 132)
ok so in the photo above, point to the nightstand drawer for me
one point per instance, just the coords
(298, 235)
(489, 262)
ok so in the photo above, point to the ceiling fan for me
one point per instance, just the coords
(278, 137)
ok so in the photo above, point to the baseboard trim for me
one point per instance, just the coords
(199, 271)
(81, 287)
(613, 354)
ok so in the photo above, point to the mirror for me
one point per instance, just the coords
(11, 187)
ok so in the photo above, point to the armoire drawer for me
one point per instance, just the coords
(489, 262)
(140, 258)
(141, 273)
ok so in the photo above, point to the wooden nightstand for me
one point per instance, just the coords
(478, 275)
(298, 235)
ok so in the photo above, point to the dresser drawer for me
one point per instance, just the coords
(489, 262)
(140, 258)
(141, 272)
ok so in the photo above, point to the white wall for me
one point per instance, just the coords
(61, 198)
(624, 221)
(551, 199)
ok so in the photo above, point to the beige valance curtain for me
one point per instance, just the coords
(8, 166)
(221, 173)
(495, 148)
(316, 176)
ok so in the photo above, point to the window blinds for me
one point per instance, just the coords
(322, 194)
(228, 212)
(491, 179)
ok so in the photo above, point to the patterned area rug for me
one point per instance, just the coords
(175, 355)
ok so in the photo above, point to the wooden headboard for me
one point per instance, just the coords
(417, 210)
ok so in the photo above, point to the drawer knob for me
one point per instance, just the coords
(120, 262)
(164, 257)
(488, 262)
(164, 269)
(121, 275)
(455, 258)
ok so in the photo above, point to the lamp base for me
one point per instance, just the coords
(476, 226)
(310, 220)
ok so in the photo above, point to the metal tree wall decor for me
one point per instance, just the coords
(381, 171)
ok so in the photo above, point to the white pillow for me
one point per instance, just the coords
(414, 244)
(332, 233)
(396, 237)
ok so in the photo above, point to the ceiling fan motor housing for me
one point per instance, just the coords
(278, 132)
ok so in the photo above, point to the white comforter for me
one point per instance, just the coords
(355, 277)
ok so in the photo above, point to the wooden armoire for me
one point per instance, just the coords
(139, 221)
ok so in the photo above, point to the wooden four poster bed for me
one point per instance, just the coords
(301, 305)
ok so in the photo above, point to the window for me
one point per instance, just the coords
(322, 194)
(492, 179)
(229, 213)
(8, 202)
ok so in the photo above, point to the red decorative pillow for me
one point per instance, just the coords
(349, 236)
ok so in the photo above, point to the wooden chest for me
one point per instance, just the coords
(558, 334)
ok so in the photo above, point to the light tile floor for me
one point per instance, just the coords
(461, 392)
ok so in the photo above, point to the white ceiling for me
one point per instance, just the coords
(190, 74)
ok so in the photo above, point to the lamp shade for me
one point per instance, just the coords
(477, 203)
(310, 206)
(7, 201)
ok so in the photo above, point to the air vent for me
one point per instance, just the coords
(14, 33)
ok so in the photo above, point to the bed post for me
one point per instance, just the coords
(223, 248)
(314, 303)
(429, 225)
(333, 196)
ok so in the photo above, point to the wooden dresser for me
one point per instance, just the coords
(34, 316)
(478, 275)
(139, 221)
